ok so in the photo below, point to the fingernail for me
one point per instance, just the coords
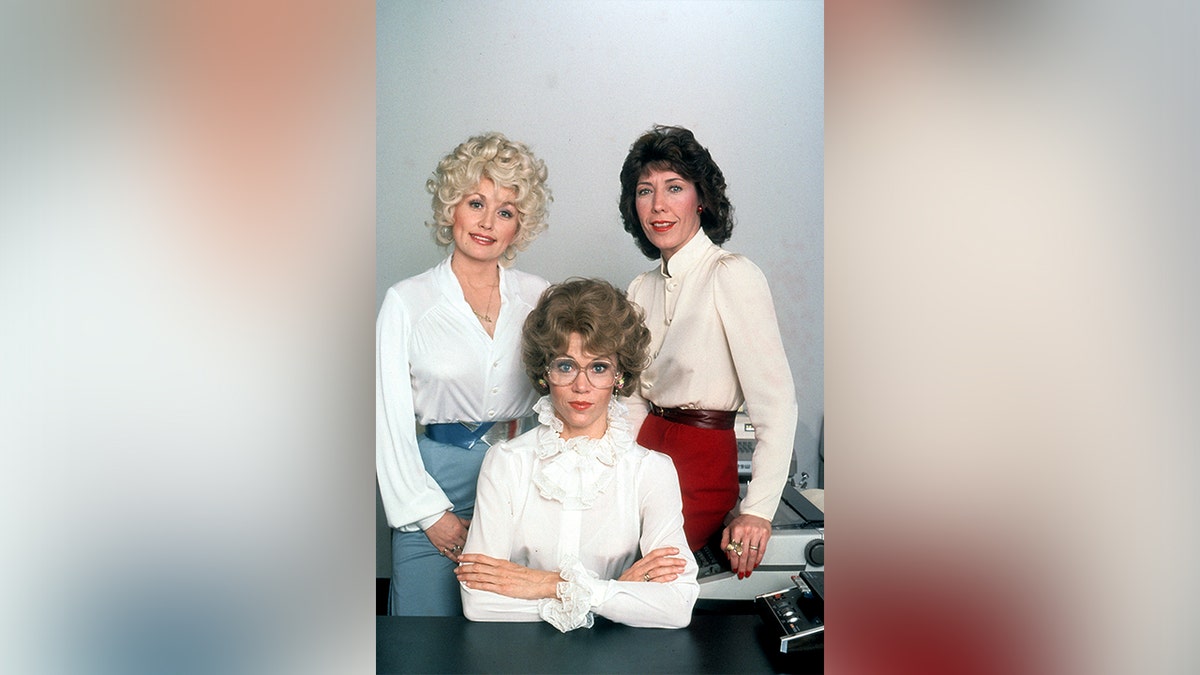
(748, 574)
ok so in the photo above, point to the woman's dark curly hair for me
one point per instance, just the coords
(675, 149)
(605, 319)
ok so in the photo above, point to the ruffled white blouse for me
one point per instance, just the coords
(587, 508)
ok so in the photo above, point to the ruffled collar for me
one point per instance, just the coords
(577, 470)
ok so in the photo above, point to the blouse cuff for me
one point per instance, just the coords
(572, 608)
(426, 523)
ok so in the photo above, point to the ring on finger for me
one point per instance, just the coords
(646, 576)
(753, 547)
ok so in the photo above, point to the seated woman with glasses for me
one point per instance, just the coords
(573, 518)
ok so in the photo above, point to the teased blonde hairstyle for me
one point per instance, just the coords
(508, 164)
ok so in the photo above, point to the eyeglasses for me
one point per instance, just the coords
(563, 372)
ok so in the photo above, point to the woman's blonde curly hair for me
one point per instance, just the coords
(508, 164)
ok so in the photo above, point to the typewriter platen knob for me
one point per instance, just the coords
(814, 553)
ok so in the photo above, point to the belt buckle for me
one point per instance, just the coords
(498, 433)
(471, 427)
(509, 429)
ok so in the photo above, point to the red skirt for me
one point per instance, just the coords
(706, 461)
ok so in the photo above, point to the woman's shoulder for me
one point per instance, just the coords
(524, 445)
(526, 284)
(728, 262)
(735, 274)
(641, 279)
(651, 460)
(525, 441)
(410, 298)
(510, 455)
(418, 286)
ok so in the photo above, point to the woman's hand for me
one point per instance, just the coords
(750, 534)
(658, 565)
(448, 535)
(484, 573)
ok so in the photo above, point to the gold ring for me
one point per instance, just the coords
(646, 576)
(753, 547)
(735, 546)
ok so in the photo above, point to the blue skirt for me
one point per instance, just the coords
(423, 581)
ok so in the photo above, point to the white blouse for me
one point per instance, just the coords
(588, 508)
(435, 363)
(715, 344)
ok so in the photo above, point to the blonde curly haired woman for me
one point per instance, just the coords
(448, 358)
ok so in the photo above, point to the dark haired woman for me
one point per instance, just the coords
(715, 346)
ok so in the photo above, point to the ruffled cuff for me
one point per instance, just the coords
(572, 608)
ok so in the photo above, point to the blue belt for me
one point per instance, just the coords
(458, 433)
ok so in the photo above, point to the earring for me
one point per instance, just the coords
(542, 384)
(699, 209)
(620, 383)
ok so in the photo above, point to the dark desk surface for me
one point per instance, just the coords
(716, 643)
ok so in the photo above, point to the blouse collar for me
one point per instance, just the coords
(576, 471)
(687, 256)
(449, 283)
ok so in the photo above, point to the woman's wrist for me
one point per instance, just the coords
(553, 579)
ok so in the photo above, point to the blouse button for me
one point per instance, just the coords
(495, 390)
(491, 413)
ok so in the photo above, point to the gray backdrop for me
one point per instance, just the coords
(579, 82)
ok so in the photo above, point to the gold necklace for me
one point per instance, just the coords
(486, 316)
(487, 313)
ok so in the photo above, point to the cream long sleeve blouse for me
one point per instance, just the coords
(715, 345)
(588, 508)
(435, 363)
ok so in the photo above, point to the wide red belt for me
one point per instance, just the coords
(700, 419)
